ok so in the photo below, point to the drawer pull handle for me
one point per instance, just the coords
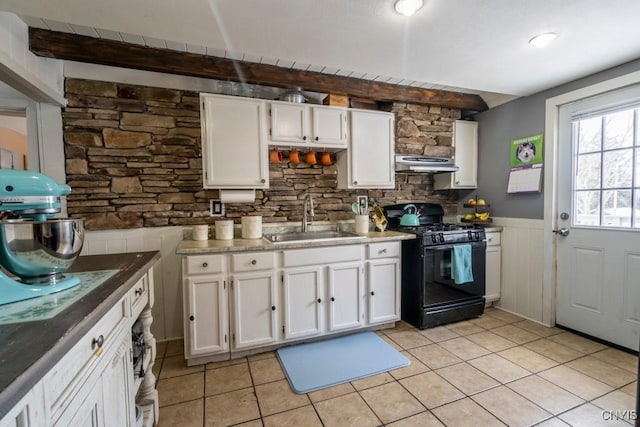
(138, 291)
(382, 251)
(97, 342)
(192, 318)
(205, 264)
(254, 262)
(273, 308)
(319, 300)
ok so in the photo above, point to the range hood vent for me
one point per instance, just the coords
(416, 163)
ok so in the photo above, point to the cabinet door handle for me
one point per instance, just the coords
(97, 342)
(333, 299)
(372, 293)
(273, 308)
(138, 292)
(319, 300)
(304, 138)
(457, 182)
(382, 251)
(355, 182)
(254, 262)
(191, 317)
(317, 138)
(263, 180)
(205, 264)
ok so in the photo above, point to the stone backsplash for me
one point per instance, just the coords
(133, 159)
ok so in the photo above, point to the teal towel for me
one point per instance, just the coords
(461, 267)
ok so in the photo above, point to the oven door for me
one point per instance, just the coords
(439, 286)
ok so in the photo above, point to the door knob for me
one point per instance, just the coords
(564, 232)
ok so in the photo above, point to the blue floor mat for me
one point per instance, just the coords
(321, 364)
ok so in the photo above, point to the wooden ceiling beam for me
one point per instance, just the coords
(73, 47)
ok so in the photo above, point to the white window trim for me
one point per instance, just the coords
(552, 109)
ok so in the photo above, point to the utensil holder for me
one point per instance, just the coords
(362, 224)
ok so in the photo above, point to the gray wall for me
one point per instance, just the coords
(515, 119)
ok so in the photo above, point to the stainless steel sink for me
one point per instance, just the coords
(314, 236)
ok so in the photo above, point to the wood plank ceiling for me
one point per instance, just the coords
(73, 47)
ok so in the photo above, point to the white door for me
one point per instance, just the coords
(234, 147)
(254, 309)
(289, 123)
(598, 217)
(303, 299)
(345, 296)
(117, 388)
(329, 126)
(371, 154)
(383, 277)
(207, 314)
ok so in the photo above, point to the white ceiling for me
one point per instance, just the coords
(462, 45)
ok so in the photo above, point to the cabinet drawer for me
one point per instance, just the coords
(201, 264)
(139, 296)
(383, 250)
(252, 261)
(300, 257)
(64, 380)
(493, 238)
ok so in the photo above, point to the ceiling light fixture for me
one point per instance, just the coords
(408, 7)
(541, 40)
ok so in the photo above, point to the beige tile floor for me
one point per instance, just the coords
(497, 370)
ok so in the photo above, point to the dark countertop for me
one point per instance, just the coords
(28, 350)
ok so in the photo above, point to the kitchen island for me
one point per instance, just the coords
(51, 366)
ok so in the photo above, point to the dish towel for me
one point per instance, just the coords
(461, 267)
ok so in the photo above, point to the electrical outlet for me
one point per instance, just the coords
(216, 208)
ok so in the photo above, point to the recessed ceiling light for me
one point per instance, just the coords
(408, 7)
(541, 40)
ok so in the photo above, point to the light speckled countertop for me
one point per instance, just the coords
(193, 247)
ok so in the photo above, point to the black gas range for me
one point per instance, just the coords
(443, 269)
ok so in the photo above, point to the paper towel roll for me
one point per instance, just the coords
(237, 196)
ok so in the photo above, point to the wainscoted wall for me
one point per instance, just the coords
(167, 310)
(522, 269)
(522, 266)
(133, 159)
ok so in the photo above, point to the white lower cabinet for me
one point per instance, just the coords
(91, 411)
(383, 282)
(254, 309)
(286, 295)
(208, 321)
(493, 267)
(302, 297)
(345, 296)
(205, 296)
(117, 387)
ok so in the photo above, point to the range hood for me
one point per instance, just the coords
(417, 163)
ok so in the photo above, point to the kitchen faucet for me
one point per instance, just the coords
(307, 206)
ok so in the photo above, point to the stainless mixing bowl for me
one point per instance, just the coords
(40, 251)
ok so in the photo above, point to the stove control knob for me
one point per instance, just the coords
(477, 235)
(441, 238)
(470, 234)
(434, 239)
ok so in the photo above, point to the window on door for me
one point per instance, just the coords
(607, 168)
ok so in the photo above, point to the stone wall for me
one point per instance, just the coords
(133, 159)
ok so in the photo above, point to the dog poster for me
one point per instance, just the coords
(526, 151)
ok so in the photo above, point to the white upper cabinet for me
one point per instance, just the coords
(465, 142)
(306, 125)
(369, 162)
(234, 143)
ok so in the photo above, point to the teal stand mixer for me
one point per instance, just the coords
(35, 248)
